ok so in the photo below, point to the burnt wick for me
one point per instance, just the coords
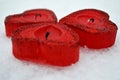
(37, 15)
(91, 20)
(47, 34)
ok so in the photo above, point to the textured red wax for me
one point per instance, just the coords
(93, 26)
(53, 44)
(12, 22)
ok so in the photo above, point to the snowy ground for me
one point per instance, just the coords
(101, 64)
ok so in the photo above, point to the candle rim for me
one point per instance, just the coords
(16, 35)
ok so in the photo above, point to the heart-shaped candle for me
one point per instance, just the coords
(50, 43)
(93, 27)
(34, 16)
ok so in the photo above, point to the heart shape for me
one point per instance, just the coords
(34, 16)
(49, 43)
(93, 26)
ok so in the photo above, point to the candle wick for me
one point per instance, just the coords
(47, 34)
(37, 15)
(91, 20)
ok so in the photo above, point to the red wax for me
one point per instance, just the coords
(54, 44)
(93, 26)
(34, 16)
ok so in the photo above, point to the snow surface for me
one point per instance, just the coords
(103, 64)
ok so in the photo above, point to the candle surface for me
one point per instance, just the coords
(50, 43)
(34, 16)
(93, 27)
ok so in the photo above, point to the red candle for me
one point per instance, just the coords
(34, 16)
(54, 44)
(93, 26)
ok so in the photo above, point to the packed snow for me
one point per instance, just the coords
(103, 64)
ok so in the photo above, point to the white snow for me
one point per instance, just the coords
(103, 64)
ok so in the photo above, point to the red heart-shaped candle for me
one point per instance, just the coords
(34, 16)
(93, 26)
(48, 43)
